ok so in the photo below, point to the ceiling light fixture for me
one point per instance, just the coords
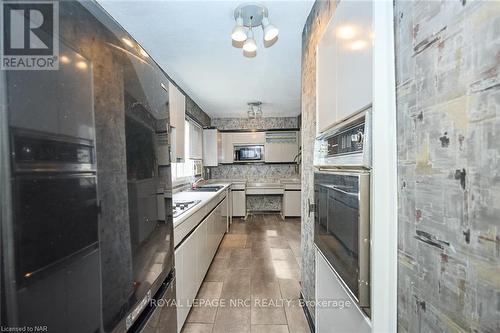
(239, 34)
(250, 45)
(254, 110)
(128, 42)
(270, 31)
(249, 16)
(143, 53)
(359, 44)
(346, 32)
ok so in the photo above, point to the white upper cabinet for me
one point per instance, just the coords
(281, 147)
(177, 102)
(249, 138)
(211, 150)
(344, 64)
(195, 141)
(225, 147)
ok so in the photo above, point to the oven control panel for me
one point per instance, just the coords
(346, 145)
(349, 141)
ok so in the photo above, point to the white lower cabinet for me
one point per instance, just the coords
(239, 203)
(185, 264)
(291, 203)
(345, 317)
(193, 258)
(202, 256)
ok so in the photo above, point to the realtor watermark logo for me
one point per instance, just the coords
(29, 38)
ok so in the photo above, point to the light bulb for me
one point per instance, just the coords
(250, 45)
(358, 45)
(128, 42)
(238, 34)
(346, 32)
(270, 31)
(143, 53)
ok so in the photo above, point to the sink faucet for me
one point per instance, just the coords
(195, 184)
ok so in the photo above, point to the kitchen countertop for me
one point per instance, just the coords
(290, 181)
(264, 184)
(205, 198)
(251, 182)
(224, 181)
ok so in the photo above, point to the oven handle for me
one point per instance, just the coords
(312, 207)
(333, 187)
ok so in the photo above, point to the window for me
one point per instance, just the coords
(182, 171)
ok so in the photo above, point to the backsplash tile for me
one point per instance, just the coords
(255, 172)
(267, 203)
(255, 124)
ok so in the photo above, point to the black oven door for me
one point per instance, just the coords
(342, 227)
(55, 219)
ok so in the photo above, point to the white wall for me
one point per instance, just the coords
(384, 193)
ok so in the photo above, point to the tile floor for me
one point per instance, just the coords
(253, 282)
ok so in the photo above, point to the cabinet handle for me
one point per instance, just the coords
(312, 207)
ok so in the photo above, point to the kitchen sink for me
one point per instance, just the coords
(207, 188)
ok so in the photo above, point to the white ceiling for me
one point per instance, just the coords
(191, 41)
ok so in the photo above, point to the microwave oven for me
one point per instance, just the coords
(249, 153)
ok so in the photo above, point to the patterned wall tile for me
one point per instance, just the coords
(252, 124)
(317, 20)
(257, 172)
(448, 118)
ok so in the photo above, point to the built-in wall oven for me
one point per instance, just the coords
(342, 203)
(249, 153)
(54, 249)
(342, 227)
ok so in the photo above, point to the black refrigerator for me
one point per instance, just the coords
(84, 248)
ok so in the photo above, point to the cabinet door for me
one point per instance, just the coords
(249, 138)
(54, 102)
(177, 104)
(239, 203)
(202, 255)
(326, 85)
(328, 287)
(210, 147)
(190, 263)
(222, 211)
(181, 292)
(195, 141)
(281, 147)
(291, 203)
(344, 80)
(211, 232)
(354, 61)
(39, 111)
(75, 99)
(227, 148)
(230, 207)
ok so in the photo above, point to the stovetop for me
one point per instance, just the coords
(179, 207)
